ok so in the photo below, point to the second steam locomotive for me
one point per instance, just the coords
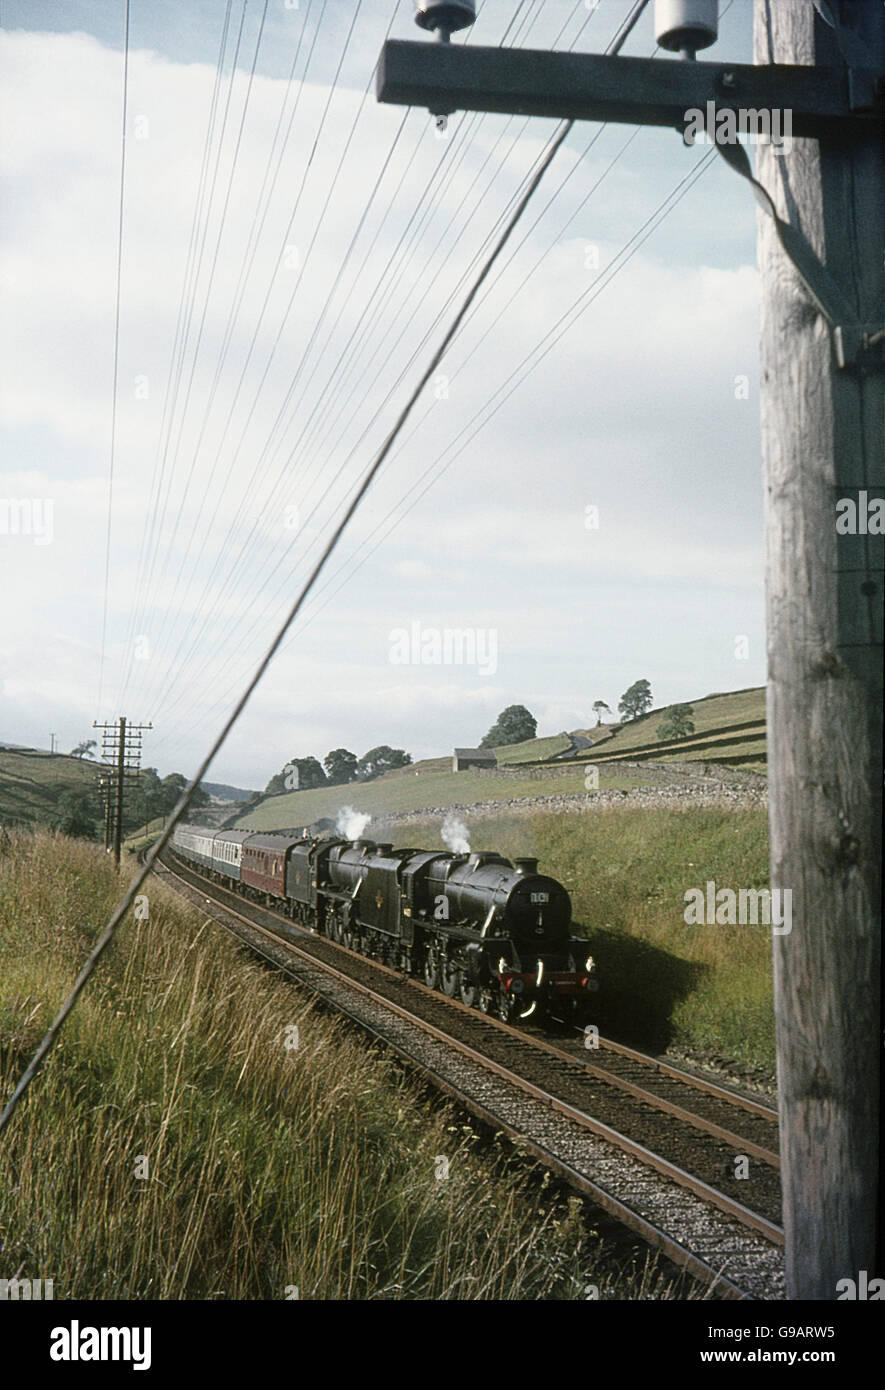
(493, 933)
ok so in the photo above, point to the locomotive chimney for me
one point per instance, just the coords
(526, 866)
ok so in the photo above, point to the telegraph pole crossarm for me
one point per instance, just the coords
(121, 747)
(638, 91)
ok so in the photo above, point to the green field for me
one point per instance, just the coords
(399, 791)
(533, 750)
(183, 1143)
(31, 783)
(714, 712)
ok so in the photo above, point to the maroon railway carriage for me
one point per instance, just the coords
(263, 865)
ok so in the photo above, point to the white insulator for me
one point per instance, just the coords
(686, 25)
(445, 15)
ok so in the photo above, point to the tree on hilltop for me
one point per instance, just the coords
(341, 766)
(598, 707)
(381, 759)
(297, 775)
(515, 724)
(636, 701)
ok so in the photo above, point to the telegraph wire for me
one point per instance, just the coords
(172, 606)
(173, 378)
(478, 422)
(247, 612)
(113, 448)
(184, 801)
(351, 351)
(166, 452)
(532, 19)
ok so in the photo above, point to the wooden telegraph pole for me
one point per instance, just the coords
(822, 441)
(121, 746)
(823, 410)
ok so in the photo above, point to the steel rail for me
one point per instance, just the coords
(679, 1254)
(728, 1205)
(690, 1117)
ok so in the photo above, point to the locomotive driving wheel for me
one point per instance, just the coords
(506, 1009)
(469, 993)
(431, 968)
(450, 978)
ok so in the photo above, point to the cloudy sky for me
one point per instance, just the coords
(578, 491)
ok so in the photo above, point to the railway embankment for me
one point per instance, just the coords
(204, 1131)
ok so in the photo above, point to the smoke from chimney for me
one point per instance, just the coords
(352, 823)
(455, 835)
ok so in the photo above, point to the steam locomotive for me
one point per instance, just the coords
(493, 933)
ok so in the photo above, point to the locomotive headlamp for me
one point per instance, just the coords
(517, 985)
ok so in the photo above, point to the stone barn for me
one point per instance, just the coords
(464, 758)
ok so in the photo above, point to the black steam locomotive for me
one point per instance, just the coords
(493, 933)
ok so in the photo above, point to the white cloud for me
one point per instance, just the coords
(634, 413)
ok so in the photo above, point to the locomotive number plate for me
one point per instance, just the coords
(540, 897)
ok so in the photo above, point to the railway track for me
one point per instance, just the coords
(659, 1149)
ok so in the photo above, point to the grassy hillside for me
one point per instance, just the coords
(533, 749)
(398, 792)
(174, 1146)
(32, 781)
(726, 727)
(740, 713)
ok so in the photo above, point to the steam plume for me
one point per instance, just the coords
(454, 833)
(352, 823)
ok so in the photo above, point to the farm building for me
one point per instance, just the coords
(464, 758)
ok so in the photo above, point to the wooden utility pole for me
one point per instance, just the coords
(822, 441)
(121, 746)
(105, 784)
(823, 411)
(118, 808)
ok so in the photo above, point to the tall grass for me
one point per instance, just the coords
(179, 1145)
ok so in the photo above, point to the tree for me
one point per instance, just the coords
(84, 749)
(514, 725)
(75, 814)
(171, 788)
(598, 707)
(341, 766)
(150, 799)
(381, 759)
(297, 775)
(678, 723)
(636, 701)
